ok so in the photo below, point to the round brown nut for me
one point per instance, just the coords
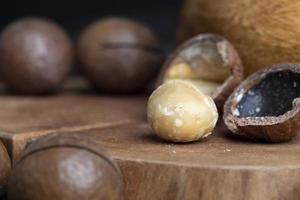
(36, 55)
(65, 166)
(118, 55)
(266, 105)
(5, 167)
(179, 112)
(208, 61)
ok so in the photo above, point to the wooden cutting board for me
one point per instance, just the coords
(218, 168)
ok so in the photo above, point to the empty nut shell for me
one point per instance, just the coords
(208, 61)
(266, 105)
(64, 166)
(5, 166)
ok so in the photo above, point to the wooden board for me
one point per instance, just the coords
(218, 167)
(25, 118)
(215, 168)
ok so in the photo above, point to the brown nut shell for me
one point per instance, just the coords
(118, 55)
(36, 55)
(65, 166)
(266, 105)
(209, 61)
(5, 167)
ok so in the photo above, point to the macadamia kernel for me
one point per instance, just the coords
(179, 112)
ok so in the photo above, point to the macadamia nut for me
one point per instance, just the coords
(179, 112)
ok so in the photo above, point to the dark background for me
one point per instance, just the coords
(160, 15)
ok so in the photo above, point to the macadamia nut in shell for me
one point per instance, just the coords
(179, 112)
(65, 167)
(118, 55)
(36, 56)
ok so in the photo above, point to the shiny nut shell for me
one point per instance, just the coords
(36, 56)
(65, 166)
(118, 55)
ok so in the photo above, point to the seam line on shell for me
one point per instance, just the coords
(155, 50)
(69, 146)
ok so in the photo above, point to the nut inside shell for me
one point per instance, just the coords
(208, 61)
(65, 166)
(118, 55)
(266, 105)
(36, 56)
(57, 140)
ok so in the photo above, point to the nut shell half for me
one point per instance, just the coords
(64, 166)
(266, 105)
(202, 54)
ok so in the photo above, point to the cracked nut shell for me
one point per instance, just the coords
(118, 55)
(5, 167)
(210, 62)
(179, 112)
(65, 166)
(36, 55)
(266, 105)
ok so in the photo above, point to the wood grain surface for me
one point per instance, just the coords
(23, 118)
(218, 168)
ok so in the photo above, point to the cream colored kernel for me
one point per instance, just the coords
(187, 113)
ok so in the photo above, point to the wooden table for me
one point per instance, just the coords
(218, 167)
